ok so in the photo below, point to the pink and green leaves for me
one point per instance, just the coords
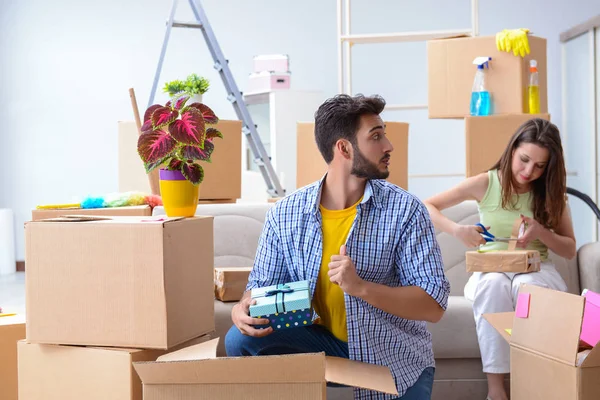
(155, 145)
(190, 129)
(193, 173)
(176, 137)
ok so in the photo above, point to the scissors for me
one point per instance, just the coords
(489, 237)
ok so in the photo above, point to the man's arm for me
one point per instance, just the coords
(423, 295)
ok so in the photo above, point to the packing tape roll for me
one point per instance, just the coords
(8, 263)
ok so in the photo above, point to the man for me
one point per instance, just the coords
(368, 249)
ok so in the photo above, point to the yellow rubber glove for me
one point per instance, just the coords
(514, 40)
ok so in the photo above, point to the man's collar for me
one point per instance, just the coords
(314, 197)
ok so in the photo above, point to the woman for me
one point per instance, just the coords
(528, 182)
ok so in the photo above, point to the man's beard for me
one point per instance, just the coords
(363, 168)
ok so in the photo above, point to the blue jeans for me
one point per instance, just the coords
(310, 339)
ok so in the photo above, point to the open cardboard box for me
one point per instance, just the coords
(195, 373)
(544, 336)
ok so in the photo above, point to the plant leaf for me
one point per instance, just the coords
(149, 111)
(168, 104)
(180, 102)
(193, 173)
(208, 114)
(156, 145)
(162, 116)
(175, 164)
(153, 165)
(147, 127)
(190, 128)
(213, 133)
(196, 153)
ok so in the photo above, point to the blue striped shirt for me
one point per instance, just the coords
(392, 242)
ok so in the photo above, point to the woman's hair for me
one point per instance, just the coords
(549, 190)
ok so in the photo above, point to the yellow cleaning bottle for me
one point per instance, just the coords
(533, 89)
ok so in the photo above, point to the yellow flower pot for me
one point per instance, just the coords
(179, 196)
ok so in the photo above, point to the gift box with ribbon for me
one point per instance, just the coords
(286, 305)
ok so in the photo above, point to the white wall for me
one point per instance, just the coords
(66, 66)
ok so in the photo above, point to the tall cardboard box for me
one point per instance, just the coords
(487, 137)
(56, 372)
(38, 214)
(311, 166)
(138, 282)
(451, 72)
(222, 176)
(12, 329)
(544, 341)
(194, 373)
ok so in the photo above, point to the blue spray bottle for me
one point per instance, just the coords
(481, 102)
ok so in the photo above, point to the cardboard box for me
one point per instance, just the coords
(544, 346)
(521, 261)
(139, 282)
(487, 137)
(56, 372)
(287, 305)
(112, 211)
(230, 282)
(222, 176)
(312, 167)
(451, 73)
(196, 374)
(12, 329)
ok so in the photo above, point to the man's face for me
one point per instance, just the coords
(372, 149)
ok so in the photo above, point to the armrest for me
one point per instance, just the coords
(588, 259)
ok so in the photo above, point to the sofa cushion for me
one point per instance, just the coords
(454, 336)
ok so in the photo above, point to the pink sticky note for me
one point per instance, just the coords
(522, 310)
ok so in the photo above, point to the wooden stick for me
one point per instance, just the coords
(153, 175)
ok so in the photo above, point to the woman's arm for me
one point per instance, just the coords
(473, 188)
(561, 241)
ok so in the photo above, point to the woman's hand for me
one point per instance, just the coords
(470, 235)
(533, 229)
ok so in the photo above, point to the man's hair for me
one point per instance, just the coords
(339, 118)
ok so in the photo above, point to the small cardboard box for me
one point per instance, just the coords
(286, 306)
(487, 137)
(503, 261)
(230, 282)
(195, 373)
(139, 282)
(56, 372)
(12, 329)
(222, 176)
(112, 211)
(311, 167)
(451, 72)
(544, 344)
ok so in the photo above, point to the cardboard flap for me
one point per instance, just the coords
(501, 322)
(592, 359)
(359, 374)
(297, 368)
(553, 325)
(200, 351)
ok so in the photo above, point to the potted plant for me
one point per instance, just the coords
(175, 138)
(194, 86)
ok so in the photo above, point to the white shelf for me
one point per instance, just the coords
(404, 36)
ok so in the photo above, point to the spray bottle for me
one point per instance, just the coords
(481, 102)
(533, 89)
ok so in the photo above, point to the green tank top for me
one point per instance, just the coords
(501, 220)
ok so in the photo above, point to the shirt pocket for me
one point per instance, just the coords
(372, 251)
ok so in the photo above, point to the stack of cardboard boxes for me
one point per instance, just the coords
(102, 293)
(450, 78)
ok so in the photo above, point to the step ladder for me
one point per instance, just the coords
(262, 160)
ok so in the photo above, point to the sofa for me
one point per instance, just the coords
(458, 375)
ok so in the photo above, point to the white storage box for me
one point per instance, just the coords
(272, 62)
(267, 81)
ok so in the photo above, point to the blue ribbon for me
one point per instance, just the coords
(280, 290)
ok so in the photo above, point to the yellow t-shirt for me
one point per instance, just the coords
(329, 297)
